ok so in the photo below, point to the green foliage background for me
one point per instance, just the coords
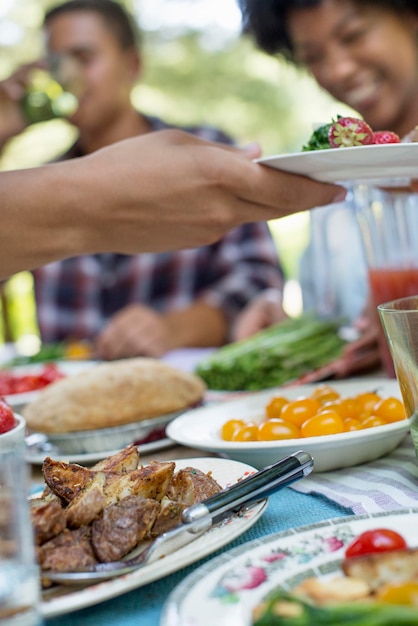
(189, 76)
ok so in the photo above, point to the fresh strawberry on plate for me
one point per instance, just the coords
(347, 132)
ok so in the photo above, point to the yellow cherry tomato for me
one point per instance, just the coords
(346, 407)
(365, 403)
(298, 411)
(351, 423)
(274, 407)
(228, 429)
(249, 432)
(325, 393)
(277, 428)
(325, 423)
(391, 409)
(372, 421)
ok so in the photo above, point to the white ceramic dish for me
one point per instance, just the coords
(226, 589)
(200, 429)
(105, 439)
(15, 437)
(379, 164)
(36, 453)
(226, 473)
(18, 400)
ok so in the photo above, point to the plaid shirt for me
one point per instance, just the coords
(76, 297)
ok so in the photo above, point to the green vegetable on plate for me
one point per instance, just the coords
(282, 609)
(273, 356)
(319, 139)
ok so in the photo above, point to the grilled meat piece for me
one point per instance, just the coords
(168, 517)
(122, 527)
(71, 549)
(124, 461)
(48, 519)
(150, 481)
(88, 504)
(191, 485)
(66, 480)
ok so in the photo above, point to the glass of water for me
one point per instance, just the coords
(19, 576)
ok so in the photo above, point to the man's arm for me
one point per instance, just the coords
(161, 191)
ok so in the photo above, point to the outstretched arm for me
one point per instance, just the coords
(161, 191)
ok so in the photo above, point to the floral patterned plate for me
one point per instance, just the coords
(226, 589)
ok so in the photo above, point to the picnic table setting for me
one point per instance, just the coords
(361, 480)
(264, 499)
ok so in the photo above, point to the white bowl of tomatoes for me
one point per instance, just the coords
(12, 428)
(202, 429)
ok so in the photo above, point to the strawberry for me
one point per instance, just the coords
(349, 131)
(385, 136)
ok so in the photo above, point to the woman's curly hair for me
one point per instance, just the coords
(266, 20)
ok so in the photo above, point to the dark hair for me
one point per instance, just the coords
(119, 22)
(266, 20)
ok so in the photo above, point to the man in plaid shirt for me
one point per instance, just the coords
(150, 303)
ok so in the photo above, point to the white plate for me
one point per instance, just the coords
(200, 429)
(18, 400)
(383, 164)
(36, 454)
(226, 589)
(226, 473)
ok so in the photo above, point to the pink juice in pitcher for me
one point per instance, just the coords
(389, 284)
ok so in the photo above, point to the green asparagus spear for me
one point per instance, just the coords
(274, 356)
(282, 609)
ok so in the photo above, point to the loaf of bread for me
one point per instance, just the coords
(112, 394)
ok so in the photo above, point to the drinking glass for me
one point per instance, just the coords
(53, 92)
(19, 576)
(400, 322)
(388, 221)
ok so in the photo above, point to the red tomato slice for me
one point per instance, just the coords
(377, 540)
(6, 383)
(25, 383)
(49, 374)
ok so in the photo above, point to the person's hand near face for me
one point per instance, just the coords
(12, 90)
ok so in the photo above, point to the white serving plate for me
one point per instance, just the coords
(376, 164)
(200, 429)
(226, 472)
(225, 590)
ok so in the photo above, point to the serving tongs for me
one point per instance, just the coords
(197, 519)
